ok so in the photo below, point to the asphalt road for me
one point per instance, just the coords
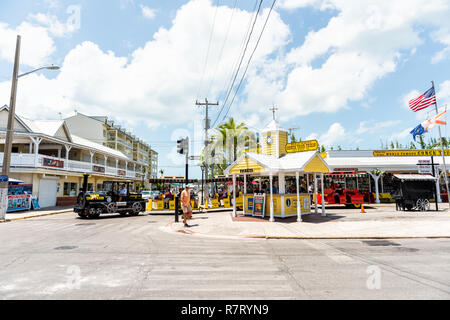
(64, 257)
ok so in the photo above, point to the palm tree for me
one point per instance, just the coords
(230, 141)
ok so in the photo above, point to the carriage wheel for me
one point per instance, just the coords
(423, 204)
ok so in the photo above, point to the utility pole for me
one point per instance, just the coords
(207, 122)
(9, 136)
(442, 150)
(291, 130)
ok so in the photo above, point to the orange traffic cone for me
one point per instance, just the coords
(362, 208)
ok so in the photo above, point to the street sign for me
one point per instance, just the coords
(302, 146)
(409, 153)
(3, 178)
(425, 167)
(194, 158)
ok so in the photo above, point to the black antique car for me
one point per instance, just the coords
(413, 191)
(93, 204)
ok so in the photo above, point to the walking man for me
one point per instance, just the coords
(186, 205)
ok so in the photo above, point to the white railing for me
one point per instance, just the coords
(20, 159)
(43, 161)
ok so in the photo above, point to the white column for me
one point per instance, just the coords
(67, 156)
(438, 190)
(299, 214)
(126, 168)
(316, 209)
(272, 219)
(245, 192)
(281, 183)
(106, 161)
(375, 177)
(323, 195)
(59, 153)
(234, 196)
(307, 183)
(37, 142)
(117, 167)
(92, 159)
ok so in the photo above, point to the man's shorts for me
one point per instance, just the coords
(187, 208)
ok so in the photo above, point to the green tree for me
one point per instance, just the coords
(229, 142)
(422, 143)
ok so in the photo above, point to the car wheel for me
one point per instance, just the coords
(93, 213)
(136, 209)
(111, 208)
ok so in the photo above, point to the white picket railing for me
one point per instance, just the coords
(43, 161)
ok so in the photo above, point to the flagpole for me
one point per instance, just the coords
(442, 150)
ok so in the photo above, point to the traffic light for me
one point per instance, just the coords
(183, 146)
(180, 146)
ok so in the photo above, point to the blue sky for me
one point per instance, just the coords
(341, 71)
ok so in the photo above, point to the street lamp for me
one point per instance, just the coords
(10, 130)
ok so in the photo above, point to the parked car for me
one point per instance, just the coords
(155, 194)
(146, 194)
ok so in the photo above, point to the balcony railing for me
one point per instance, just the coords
(26, 160)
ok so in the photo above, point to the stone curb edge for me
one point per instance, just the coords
(38, 215)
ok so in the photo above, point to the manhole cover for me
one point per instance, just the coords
(85, 224)
(66, 248)
(381, 243)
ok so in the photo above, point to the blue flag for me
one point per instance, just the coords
(417, 131)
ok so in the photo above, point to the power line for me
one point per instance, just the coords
(240, 63)
(221, 50)
(209, 45)
(249, 60)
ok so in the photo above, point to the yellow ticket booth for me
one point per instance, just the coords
(281, 160)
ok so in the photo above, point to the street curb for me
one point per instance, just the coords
(341, 237)
(38, 215)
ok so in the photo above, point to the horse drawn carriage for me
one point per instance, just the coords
(413, 191)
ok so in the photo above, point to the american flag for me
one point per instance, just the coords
(425, 100)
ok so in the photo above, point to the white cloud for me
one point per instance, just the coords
(157, 83)
(336, 133)
(296, 4)
(362, 43)
(147, 12)
(375, 127)
(443, 94)
(36, 44)
(53, 25)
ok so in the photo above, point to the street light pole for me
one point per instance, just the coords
(10, 130)
(9, 136)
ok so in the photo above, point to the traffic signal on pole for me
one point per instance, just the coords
(182, 146)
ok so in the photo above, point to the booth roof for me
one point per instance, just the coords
(291, 162)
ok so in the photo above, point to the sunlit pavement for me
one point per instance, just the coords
(64, 257)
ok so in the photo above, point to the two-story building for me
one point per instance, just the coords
(52, 158)
(101, 130)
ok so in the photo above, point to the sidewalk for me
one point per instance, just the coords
(379, 222)
(37, 213)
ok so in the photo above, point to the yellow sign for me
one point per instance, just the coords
(409, 153)
(94, 197)
(302, 146)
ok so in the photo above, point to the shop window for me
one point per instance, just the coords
(15, 149)
(90, 187)
(99, 187)
(70, 189)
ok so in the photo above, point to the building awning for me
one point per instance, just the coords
(414, 177)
